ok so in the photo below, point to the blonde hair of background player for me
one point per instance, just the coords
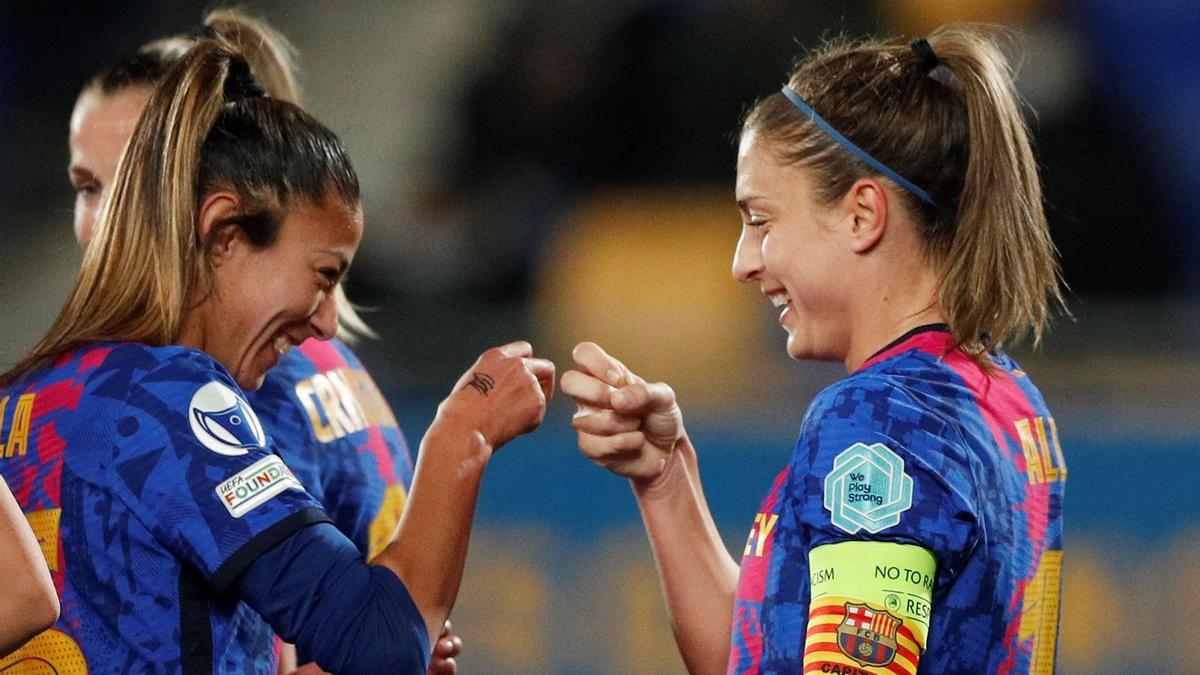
(29, 602)
(272, 59)
(988, 238)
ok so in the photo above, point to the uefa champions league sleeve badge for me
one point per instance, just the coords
(223, 421)
(867, 489)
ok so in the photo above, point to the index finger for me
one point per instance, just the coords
(585, 389)
(596, 362)
(543, 370)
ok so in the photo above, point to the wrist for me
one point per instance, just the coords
(673, 476)
(457, 438)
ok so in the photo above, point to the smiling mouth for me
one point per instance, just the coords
(778, 298)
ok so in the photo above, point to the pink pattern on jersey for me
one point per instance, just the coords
(1002, 402)
(752, 587)
(323, 354)
(383, 458)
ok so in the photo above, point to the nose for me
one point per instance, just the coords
(747, 259)
(324, 321)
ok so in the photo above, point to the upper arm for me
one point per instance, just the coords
(315, 590)
(870, 607)
(875, 466)
(191, 460)
(889, 516)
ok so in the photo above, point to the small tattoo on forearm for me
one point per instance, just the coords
(482, 382)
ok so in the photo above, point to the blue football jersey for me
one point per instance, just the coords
(919, 447)
(338, 434)
(151, 486)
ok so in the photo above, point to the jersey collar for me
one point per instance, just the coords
(933, 338)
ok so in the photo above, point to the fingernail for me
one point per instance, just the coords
(619, 398)
(614, 376)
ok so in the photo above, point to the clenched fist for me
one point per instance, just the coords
(502, 396)
(625, 424)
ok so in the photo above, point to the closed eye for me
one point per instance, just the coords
(330, 276)
(85, 183)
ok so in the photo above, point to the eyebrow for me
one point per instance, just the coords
(744, 202)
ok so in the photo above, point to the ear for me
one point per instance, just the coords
(866, 204)
(218, 208)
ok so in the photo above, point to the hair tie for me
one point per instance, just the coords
(929, 60)
(240, 83)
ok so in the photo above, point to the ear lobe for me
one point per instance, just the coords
(867, 204)
(218, 208)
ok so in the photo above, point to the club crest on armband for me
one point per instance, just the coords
(867, 489)
(223, 421)
(868, 635)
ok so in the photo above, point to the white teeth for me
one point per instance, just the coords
(779, 299)
(282, 344)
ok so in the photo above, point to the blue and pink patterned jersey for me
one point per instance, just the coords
(336, 431)
(919, 446)
(151, 487)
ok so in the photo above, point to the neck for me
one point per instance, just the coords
(906, 302)
(194, 332)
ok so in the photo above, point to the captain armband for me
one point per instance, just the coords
(870, 607)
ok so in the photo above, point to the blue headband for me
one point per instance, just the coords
(854, 149)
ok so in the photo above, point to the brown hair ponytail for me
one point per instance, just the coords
(946, 118)
(1001, 272)
(271, 57)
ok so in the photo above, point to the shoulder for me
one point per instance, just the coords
(871, 448)
(875, 402)
(116, 369)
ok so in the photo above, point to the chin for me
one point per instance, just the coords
(250, 382)
(804, 349)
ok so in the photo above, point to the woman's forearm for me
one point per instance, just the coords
(698, 575)
(29, 603)
(430, 547)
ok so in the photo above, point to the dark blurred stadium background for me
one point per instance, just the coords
(560, 171)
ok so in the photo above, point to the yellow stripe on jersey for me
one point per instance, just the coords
(870, 607)
(383, 527)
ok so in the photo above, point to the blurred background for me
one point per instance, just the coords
(559, 171)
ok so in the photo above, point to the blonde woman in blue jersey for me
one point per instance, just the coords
(892, 211)
(184, 542)
(324, 411)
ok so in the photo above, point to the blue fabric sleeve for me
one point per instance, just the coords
(871, 464)
(316, 591)
(191, 461)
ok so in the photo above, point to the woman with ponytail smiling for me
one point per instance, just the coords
(183, 539)
(329, 421)
(891, 209)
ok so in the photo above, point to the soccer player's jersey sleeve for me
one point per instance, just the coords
(192, 461)
(886, 507)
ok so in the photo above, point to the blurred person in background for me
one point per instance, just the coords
(892, 209)
(184, 539)
(325, 413)
(29, 602)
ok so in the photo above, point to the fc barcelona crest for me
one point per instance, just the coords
(868, 635)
